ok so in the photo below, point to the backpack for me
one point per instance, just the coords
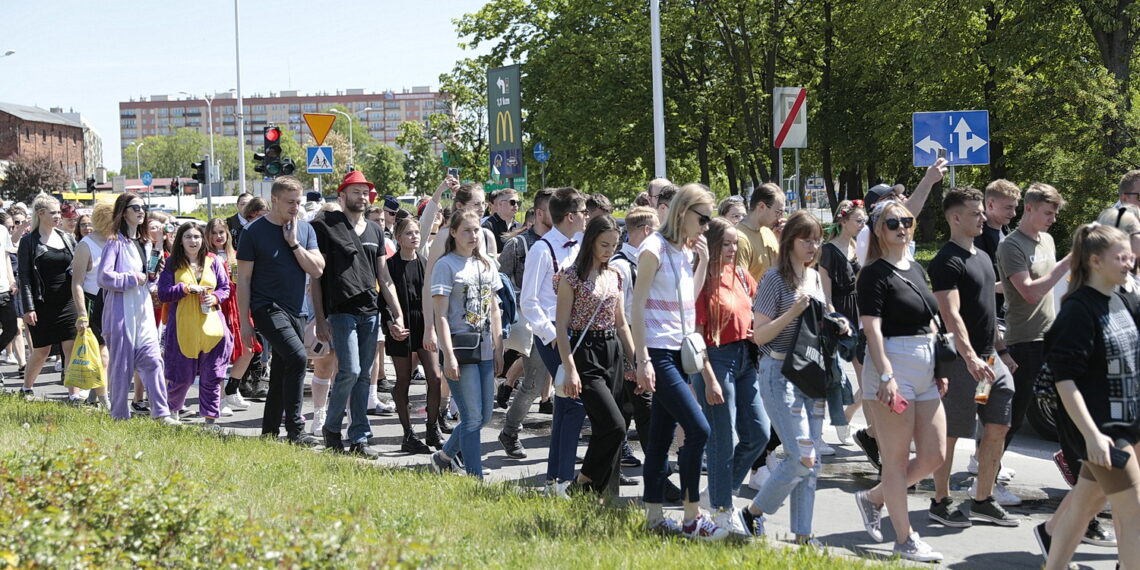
(508, 304)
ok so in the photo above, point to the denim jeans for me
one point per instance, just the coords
(474, 394)
(673, 403)
(839, 396)
(795, 418)
(354, 340)
(284, 334)
(565, 428)
(742, 414)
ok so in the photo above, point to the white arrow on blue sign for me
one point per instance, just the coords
(147, 178)
(319, 159)
(965, 135)
(541, 153)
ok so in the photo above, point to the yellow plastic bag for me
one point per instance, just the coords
(86, 369)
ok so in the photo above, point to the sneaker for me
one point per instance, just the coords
(843, 433)
(870, 447)
(1043, 540)
(753, 524)
(626, 481)
(384, 385)
(443, 423)
(546, 407)
(360, 449)
(383, 408)
(991, 511)
(943, 512)
(225, 411)
(302, 440)
(1097, 535)
(318, 423)
(140, 407)
(512, 445)
(730, 520)
(1005, 474)
(916, 549)
(811, 542)
(1063, 467)
(169, 421)
(1001, 494)
(503, 395)
(441, 465)
(412, 444)
(58, 367)
(703, 528)
(236, 401)
(872, 515)
(822, 449)
(75, 400)
(628, 459)
(333, 441)
(260, 390)
(663, 525)
(433, 437)
(418, 375)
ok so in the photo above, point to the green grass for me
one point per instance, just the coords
(283, 506)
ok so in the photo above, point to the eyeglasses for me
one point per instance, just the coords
(136, 207)
(704, 219)
(581, 212)
(514, 202)
(894, 223)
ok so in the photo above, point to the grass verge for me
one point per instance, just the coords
(80, 490)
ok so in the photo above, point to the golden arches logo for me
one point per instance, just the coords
(504, 127)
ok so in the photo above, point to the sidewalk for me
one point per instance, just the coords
(837, 523)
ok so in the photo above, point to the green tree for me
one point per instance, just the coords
(383, 166)
(26, 177)
(422, 167)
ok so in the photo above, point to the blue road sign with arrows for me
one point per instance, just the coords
(147, 178)
(541, 153)
(964, 135)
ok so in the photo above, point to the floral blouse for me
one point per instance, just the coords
(587, 295)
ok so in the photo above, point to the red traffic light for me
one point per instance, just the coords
(272, 134)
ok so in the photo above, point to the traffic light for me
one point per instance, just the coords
(269, 161)
(174, 185)
(91, 184)
(202, 172)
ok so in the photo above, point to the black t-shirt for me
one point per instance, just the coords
(988, 242)
(883, 293)
(972, 274)
(366, 303)
(1093, 342)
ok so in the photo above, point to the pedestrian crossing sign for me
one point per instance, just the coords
(320, 159)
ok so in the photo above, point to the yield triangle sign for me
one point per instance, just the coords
(319, 125)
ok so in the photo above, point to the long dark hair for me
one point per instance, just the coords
(800, 225)
(178, 256)
(119, 223)
(585, 261)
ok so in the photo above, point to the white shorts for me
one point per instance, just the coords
(912, 361)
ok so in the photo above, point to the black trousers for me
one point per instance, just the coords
(598, 361)
(1030, 357)
(284, 333)
(8, 318)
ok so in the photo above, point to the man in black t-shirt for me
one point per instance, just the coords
(347, 309)
(1002, 197)
(963, 281)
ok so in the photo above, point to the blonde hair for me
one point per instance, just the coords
(640, 216)
(1002, 188)
(1089, 240)
(103, 218)
(42, 202)
(1041, 193)
(878, 221)
(687, 197)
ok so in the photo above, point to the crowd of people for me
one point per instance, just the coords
(688, 318)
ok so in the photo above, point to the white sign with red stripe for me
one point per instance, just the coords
(789, 117)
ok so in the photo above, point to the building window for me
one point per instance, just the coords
(310, 107)
(391, 104)
(259, 108)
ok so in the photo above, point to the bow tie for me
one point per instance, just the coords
(570, 243)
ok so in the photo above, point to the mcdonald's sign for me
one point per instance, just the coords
(504, 128)
(504, 118)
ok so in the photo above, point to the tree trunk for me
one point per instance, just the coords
(730, 170)
(825, 90)
(1116, 39)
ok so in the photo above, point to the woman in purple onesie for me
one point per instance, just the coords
(197, 341)
(128, 316)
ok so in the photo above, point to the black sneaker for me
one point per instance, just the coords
(753, 524)
(444, 426)
(944, 513)
(503, 395)
(361, 449)
(138, 407)
(1043, 540)
(870, 447)
(302, 440)
(672, 493)
(412, 444)
(512, 445)
(245, 388)
(383, 385)
(628, 459)
(990, 511)
(333, 441)
(627, 481)
(28, 394)
(1097, 535)
(433, 437)
(546, 407)
(441, 465)
(260, 390)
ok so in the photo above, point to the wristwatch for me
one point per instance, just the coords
(886, 378)
(295, 246)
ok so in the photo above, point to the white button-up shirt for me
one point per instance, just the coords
(538, 298)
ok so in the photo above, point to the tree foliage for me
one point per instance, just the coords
(26, 177)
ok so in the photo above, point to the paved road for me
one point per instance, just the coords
(837, 523)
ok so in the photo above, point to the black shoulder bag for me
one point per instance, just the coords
(468, 346)
(805, 365)
(945, 353)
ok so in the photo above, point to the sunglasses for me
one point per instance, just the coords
(136, 207)
(894, 223)
(704, 219)
(514, 202)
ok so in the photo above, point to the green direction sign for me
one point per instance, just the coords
(504, 121)
(520, 183)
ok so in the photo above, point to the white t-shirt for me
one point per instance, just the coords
(664, 327)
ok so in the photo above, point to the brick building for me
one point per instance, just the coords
(34, 132)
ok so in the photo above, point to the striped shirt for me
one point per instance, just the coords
(673, 282)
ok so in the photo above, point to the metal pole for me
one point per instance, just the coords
(544, 175)
(780, 168)
(658, 94)
(138, 163)
(240, 108)
(213, 174)
(351, 148)
(953, 184)
(799, 188)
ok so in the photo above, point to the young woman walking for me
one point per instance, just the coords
(838, 267)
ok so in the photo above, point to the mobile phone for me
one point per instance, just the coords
(453, 172)
(941, 153)
(1118, 457)
(899, 404)
(152, 263)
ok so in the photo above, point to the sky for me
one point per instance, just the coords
(88, 56)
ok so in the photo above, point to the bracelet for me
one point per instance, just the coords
(1003, 352)
(640, 362)
(294, 246)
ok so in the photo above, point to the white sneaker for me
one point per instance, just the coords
(916, 549)
(844, 435)
(58, 366)
(225, 412)
(236, 402)
(386, 407)
(822, 449)
(703, 528)
(318, 422)
(1005, 474)
(560, 489)
(759, 477)
(730, 519)
(1001, 494)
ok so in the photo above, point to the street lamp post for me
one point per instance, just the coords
(351, 147)
(138, 169)
(240, 108)
(209, 129)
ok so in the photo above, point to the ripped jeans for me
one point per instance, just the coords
(795, 417)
